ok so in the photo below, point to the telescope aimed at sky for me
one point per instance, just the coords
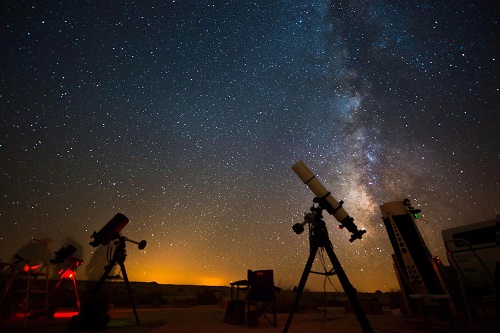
(110, 231)
(326, 201)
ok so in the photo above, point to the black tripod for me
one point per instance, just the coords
(94, 313)
(70, 273)
(318, 238)
(119, 258)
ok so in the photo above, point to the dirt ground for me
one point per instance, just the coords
(199, 319)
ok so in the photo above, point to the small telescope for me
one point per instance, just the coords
(326, 201)
(97, 319)
(63, 254)
(110, 231)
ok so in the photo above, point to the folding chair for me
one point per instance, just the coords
(261, 295)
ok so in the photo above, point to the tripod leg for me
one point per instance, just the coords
(76, 291)
(103, 278)
(59, 282)
(302, 284)
(130, 293)
(349, 290)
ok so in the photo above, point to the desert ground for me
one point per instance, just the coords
(210, 318)
(198, 309)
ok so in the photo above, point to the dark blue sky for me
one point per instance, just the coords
(187, 116)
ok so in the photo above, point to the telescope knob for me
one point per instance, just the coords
(298, 228)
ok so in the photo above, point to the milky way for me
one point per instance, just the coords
(186, 116)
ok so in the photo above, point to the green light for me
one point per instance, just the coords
(415, 215)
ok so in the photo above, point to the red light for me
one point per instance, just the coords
(65, 314)
(28, 267)
(67, 275)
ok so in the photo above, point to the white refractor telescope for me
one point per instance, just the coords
(326, 201)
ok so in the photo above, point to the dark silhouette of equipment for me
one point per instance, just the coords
(26, 285)
(413, 259)
(432, 290)
(9, 274)
(93, 314)
(65, 255)
(472, 253)
(318, 238)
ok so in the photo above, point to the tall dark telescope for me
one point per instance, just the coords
(412, 259)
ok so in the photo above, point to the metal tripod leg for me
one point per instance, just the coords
(76, 291)
(103, 278)
(73, 278)
(127, 285)
(302, 284)
(130, 292)
(349, 290)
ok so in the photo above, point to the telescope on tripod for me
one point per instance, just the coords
(318, 238)
(108, 235)
(65, 255)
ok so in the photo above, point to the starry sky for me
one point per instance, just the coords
(186, 116)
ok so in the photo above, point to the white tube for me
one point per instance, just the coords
(318, 189)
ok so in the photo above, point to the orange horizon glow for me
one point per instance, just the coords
(181, 277)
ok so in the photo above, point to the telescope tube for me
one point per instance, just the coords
(318, 189)
(333, 207)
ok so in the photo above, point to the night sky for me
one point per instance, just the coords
(186, 116)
